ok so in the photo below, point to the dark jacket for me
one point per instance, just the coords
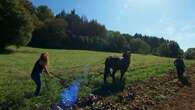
(179, 63)
(37, 70)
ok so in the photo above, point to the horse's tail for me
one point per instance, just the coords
(106, 68)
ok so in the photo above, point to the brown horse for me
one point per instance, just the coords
(117, 63)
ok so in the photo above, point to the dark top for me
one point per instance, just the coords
(37, 70)
(179, 63)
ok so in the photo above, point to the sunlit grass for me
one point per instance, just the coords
(16, 86)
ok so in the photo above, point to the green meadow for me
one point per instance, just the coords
(16, 86)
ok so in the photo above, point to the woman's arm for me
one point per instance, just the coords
(45, 66)
(46, 69)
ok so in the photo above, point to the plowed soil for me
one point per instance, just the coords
(157, 93)
(184, 99)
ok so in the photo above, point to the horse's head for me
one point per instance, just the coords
(127, 54)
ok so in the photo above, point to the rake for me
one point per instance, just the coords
(63, 82)
(45, 82)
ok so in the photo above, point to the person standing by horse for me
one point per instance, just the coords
(40, 65)
(180, 67)
(117, 63)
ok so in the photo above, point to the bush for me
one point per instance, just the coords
(190, 53)
(16, 23)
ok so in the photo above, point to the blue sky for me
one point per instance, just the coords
(171, 19)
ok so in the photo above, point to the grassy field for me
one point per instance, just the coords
(16, 86)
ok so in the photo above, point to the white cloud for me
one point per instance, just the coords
(183, 34)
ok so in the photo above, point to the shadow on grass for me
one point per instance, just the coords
(10, 51)
(28, 95)
(26, 51)
(109, 88)
(6, 51)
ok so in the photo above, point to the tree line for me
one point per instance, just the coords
(25, 24)
(71, 31)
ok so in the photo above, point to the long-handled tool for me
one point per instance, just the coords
(56, 76)
(46, 85)
(63, 82)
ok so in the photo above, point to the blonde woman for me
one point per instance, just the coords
(40, 65)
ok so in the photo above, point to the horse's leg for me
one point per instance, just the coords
(122, 74)
(105, 78)
(106, 73)
(113, 75)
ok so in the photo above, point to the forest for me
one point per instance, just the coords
(26, 24)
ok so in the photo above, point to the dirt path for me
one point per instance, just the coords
(185, 98)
